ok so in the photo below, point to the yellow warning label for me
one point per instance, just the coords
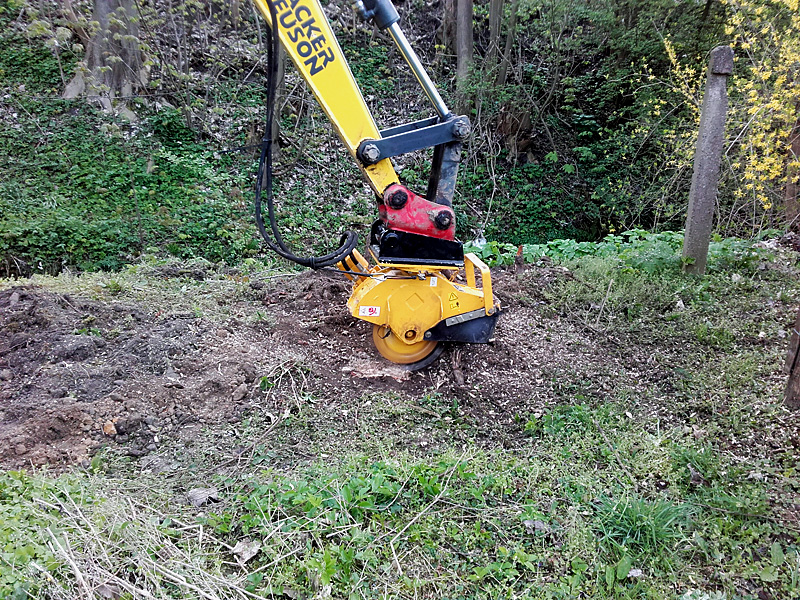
(453, 296)
(453, 305)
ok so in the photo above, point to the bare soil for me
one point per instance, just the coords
(77, 374)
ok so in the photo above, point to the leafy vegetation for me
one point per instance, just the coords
(635, 250)
(29, 528)
(538, 522)
(590, 134)
(610, 489)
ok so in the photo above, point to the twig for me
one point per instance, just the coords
(68, 557)
(603, 303)
(432, 503)
(737, 513)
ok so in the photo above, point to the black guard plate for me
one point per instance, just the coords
(475, 331)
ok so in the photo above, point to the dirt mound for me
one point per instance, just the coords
(76, 373)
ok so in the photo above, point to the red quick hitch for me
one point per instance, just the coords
(403, 210)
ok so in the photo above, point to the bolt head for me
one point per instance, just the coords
(371, 154)
(397, 200)
(443, 220)
(461, 128)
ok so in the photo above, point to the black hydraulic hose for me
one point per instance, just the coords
(349, 239)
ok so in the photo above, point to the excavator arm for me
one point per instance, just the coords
(408, 289)
(306, 35)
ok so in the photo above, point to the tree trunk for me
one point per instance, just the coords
(234, 13)
(792, 195)
(447, 31)
(114, 65)
(792, 394)
(464, 47)
(495, 21)
(502, 73)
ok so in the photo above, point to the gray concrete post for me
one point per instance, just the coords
(708, 153)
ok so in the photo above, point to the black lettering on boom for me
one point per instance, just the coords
(318, 61)
(302, 30)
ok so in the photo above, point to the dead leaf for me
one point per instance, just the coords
(537, 526)
(200, 496)
(245, 549)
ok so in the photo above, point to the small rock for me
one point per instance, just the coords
(152, 447)
(108, 591)
(222, 333)
(109, 428)
(116, 397)
(249, 372)
(119, 382)
(13, 300)
(200, 496)
(240, 392)
(20, 449)
(6, 375)
(128, 425)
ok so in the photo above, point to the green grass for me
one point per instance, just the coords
(676, 486)
(602, 506)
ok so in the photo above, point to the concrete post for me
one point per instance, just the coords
(703, 193)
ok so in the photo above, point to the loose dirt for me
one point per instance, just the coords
(77, 374)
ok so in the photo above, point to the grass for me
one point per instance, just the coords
(674, 488)
(562, 516)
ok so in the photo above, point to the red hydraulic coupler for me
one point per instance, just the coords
(403, 210)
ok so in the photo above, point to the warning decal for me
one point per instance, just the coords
(369, 311)
(453, 301)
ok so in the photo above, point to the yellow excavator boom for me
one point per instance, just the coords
(306, 35)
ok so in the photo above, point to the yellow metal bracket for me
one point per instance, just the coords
(470, 262)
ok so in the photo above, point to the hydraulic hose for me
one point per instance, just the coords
(275, 242)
